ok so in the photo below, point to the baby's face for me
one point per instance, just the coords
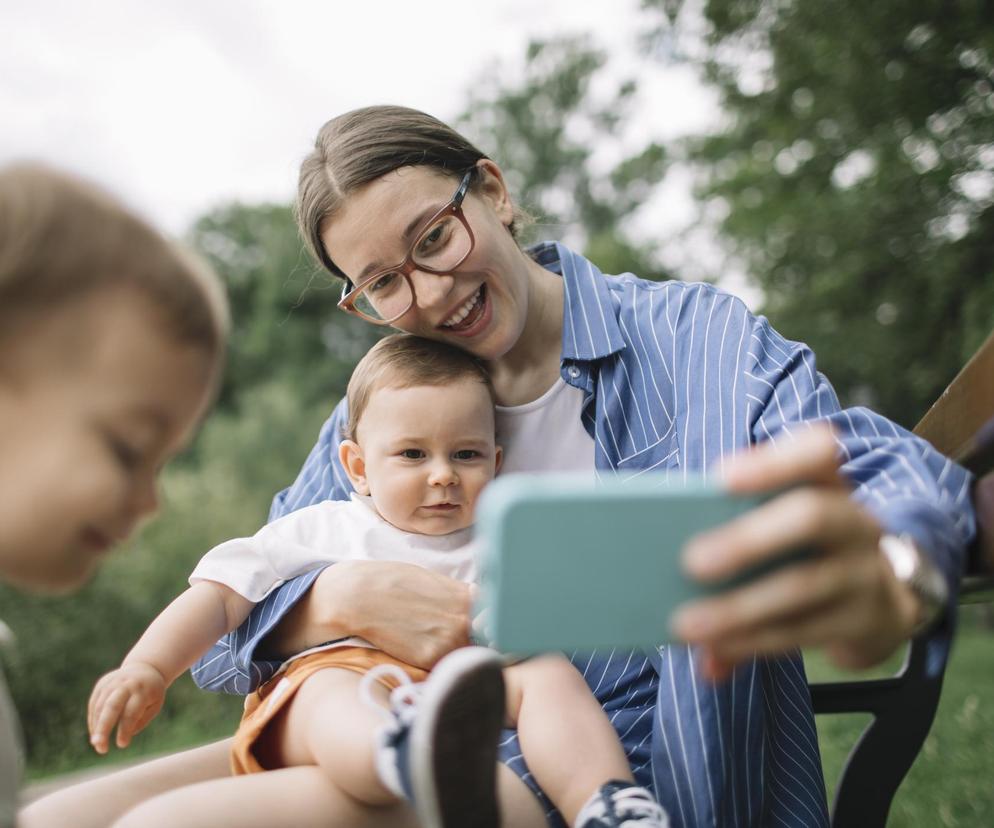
(425, 453)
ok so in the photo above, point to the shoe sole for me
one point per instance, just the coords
(453, 747)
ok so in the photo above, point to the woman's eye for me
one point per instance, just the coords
(466, 454)
(384, 283)
(412, 454)
(432, 239)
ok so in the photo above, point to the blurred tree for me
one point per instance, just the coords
(285, 320)
(855, 175)
(559, 141)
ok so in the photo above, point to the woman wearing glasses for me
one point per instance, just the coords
(603, 374)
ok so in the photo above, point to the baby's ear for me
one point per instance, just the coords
(498, 458)
(350, 455)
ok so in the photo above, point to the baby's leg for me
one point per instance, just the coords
(302, 796)
(566, 738)
(327, 724)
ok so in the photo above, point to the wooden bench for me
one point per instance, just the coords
(961, 425)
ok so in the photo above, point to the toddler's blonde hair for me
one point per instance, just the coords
(62, 238)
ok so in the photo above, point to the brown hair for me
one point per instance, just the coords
(61, 238)
(362, 145)
(407, 361)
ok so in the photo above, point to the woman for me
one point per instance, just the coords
(616, 374)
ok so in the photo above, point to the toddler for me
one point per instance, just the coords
(420, 448)
(111, 344)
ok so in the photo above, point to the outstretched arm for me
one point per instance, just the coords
(850, 476)
(131, 696)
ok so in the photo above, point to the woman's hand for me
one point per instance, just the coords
(844, 599)
(407, 611)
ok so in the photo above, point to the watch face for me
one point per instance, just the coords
(900, 555)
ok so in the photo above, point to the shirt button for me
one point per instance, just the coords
(573, 371)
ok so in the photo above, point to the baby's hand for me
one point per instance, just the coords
(129, 697)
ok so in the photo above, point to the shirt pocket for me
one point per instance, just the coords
(659, 457)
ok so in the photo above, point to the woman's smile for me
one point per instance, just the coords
(471, 317)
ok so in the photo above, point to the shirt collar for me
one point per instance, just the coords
(590, 325)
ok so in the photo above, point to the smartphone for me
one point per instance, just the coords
(569, 563)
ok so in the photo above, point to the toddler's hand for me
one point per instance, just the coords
(129, 697)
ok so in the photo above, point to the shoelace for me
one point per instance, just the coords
(634, 806)
(403, 697)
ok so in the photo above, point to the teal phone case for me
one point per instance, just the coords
(567, 563)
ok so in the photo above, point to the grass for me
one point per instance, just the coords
(950, 782)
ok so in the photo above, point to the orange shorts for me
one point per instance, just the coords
(262, 706)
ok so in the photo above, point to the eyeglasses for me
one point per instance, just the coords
(442, 244)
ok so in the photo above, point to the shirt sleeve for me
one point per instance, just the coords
(908, 486)
(231, 666)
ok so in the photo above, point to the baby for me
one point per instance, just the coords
(419, 450)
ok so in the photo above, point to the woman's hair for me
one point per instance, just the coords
(407, 361)
(362, 145)
(62, 238)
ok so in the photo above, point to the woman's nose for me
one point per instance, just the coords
(430, 289)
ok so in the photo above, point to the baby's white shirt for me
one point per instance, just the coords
(329, 532)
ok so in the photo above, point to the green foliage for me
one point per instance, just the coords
(65, 644)
(544, 129)
(286, 323)
(856, 176)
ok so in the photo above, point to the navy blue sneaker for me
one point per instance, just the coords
(620, 804)
(439, 748)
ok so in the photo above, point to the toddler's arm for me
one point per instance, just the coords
(132, 695)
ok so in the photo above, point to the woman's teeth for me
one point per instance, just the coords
(463, 312)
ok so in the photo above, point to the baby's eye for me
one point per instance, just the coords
(466, 454)
(412, 454)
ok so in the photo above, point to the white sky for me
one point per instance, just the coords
(178, 106)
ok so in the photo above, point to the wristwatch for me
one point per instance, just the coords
(915, 570)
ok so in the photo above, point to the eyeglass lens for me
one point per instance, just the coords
(440, 248)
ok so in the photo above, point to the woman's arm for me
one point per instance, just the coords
(850, 481)
(410, 612)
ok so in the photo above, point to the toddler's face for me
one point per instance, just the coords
(424, 454)
(96, 402)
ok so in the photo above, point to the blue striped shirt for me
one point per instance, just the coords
(676, 377)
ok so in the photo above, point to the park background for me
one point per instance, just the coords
(831, 161)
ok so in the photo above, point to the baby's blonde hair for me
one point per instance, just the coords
(62, 238)
(407, 361)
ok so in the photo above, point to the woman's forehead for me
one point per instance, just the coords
(373, 219)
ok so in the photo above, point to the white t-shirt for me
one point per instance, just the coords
(329, 532)
(546, 435)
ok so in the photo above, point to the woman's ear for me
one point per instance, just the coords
(493, 189)
(350, 456)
